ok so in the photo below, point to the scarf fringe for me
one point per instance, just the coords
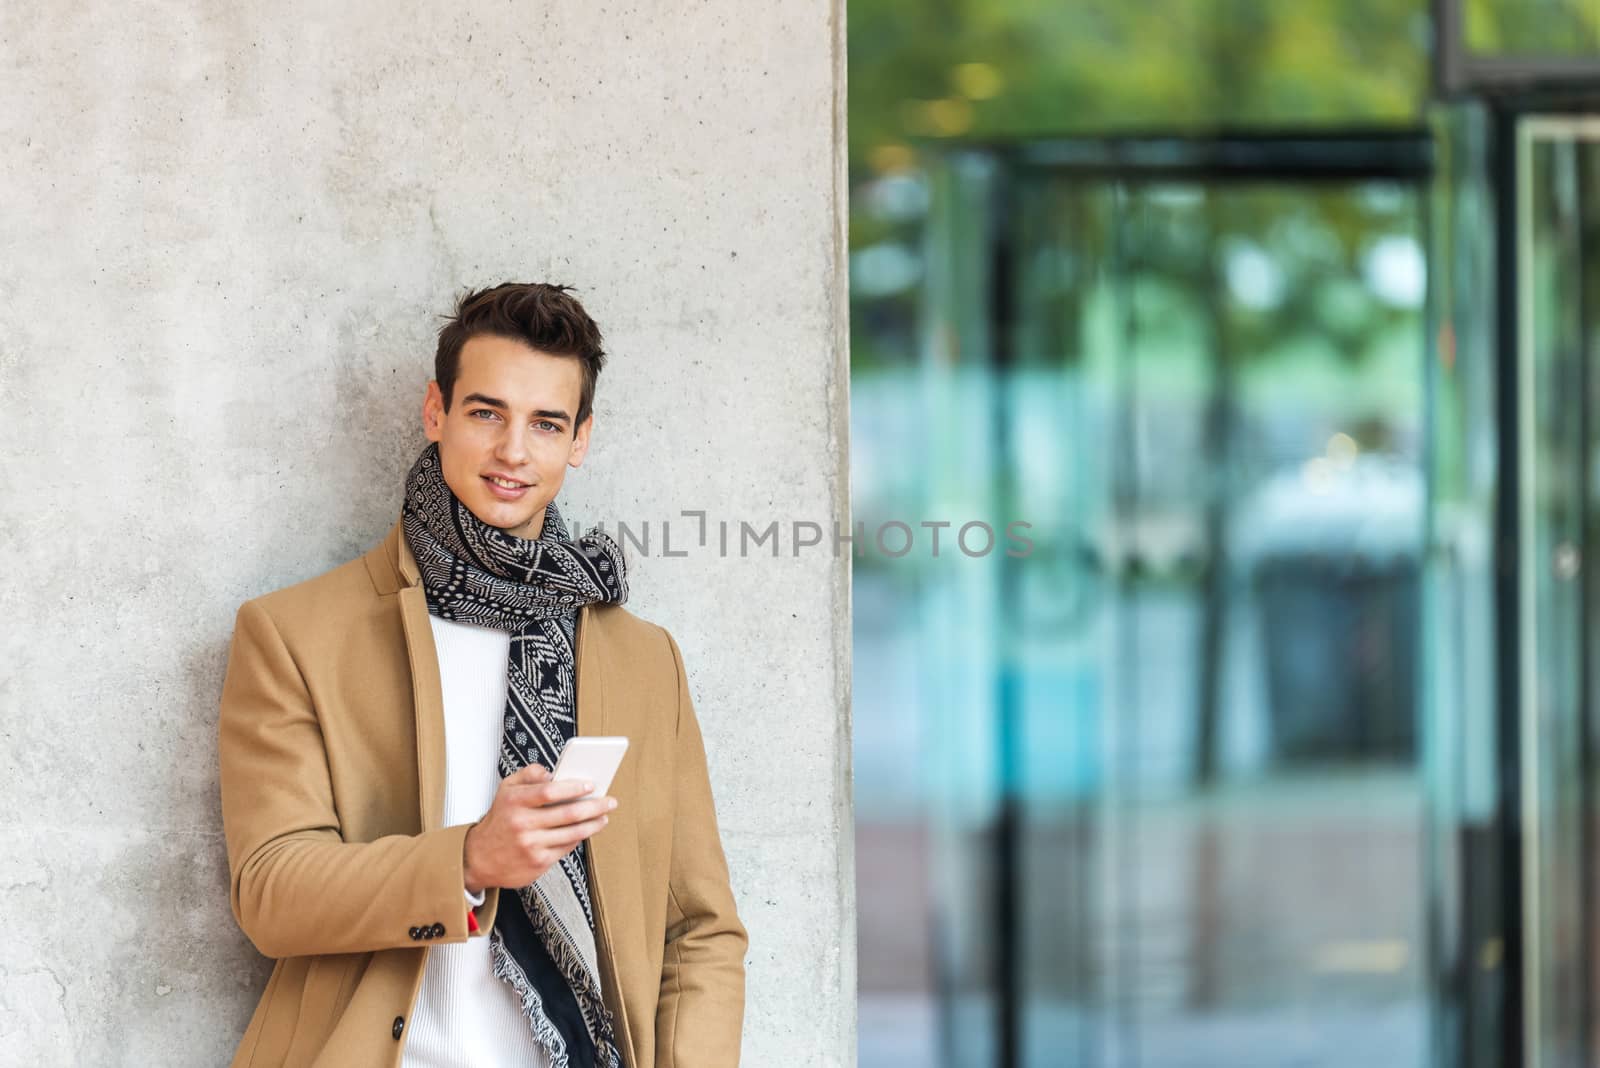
(506, 968)
(597, 1018)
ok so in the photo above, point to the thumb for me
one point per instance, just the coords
(533, 773)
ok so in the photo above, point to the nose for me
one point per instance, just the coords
(512, 448)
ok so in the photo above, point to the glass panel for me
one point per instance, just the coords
(1156, 780)
(1277, 514)
(1468, 870)
(1237, 373)
(927, 641)
(1067, 433)
(1532, 27)
(1556, 209)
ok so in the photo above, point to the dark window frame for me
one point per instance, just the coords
(1289, 156)
(1457, 70)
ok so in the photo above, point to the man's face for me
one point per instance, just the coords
(511, 416)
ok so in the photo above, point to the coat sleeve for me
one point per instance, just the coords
(700, 1013)
(296, 886)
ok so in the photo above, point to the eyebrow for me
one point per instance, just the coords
(496, 402)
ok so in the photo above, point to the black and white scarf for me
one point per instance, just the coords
(475, 573)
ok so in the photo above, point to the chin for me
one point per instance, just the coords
(493, 512)
(509, 520)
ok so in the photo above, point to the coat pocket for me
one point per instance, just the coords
(322, 999)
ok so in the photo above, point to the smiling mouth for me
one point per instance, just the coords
(506, 483)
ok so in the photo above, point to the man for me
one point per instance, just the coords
(386, 734)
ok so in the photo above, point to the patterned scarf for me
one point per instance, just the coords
(475, 573)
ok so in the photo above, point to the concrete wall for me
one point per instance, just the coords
(227, 231)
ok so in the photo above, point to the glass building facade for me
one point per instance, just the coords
(1243, 714)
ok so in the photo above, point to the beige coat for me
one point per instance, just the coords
(332, 754)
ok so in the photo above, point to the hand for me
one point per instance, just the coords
(531, 825)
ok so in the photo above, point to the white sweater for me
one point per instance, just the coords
(465, 1017)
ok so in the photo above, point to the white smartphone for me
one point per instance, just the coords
(591, 759)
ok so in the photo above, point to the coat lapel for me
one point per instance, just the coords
(591, 699)
(610, 849)
(428, 697)
(591, 684)
(426, 688)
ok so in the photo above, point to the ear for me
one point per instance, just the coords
(580, 442)
(433, 412)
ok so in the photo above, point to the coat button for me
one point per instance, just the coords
(399, 1025)
(438, 931)
(416, 933)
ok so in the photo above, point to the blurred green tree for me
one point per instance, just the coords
(929, 74)
(929, 70)
(1541, 27)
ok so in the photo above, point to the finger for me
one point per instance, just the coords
(573, 833)
(532, 773)
(550, 793)
(548, 819)
(545, 813)
(568, 813)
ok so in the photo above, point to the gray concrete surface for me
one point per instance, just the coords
(227, 229)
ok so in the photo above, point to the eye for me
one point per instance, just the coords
(545, 424)
(483, 411)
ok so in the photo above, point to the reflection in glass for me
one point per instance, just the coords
(1190, 714)
(1468, 881)
(1558, 205)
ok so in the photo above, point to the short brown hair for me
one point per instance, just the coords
(540, 315)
